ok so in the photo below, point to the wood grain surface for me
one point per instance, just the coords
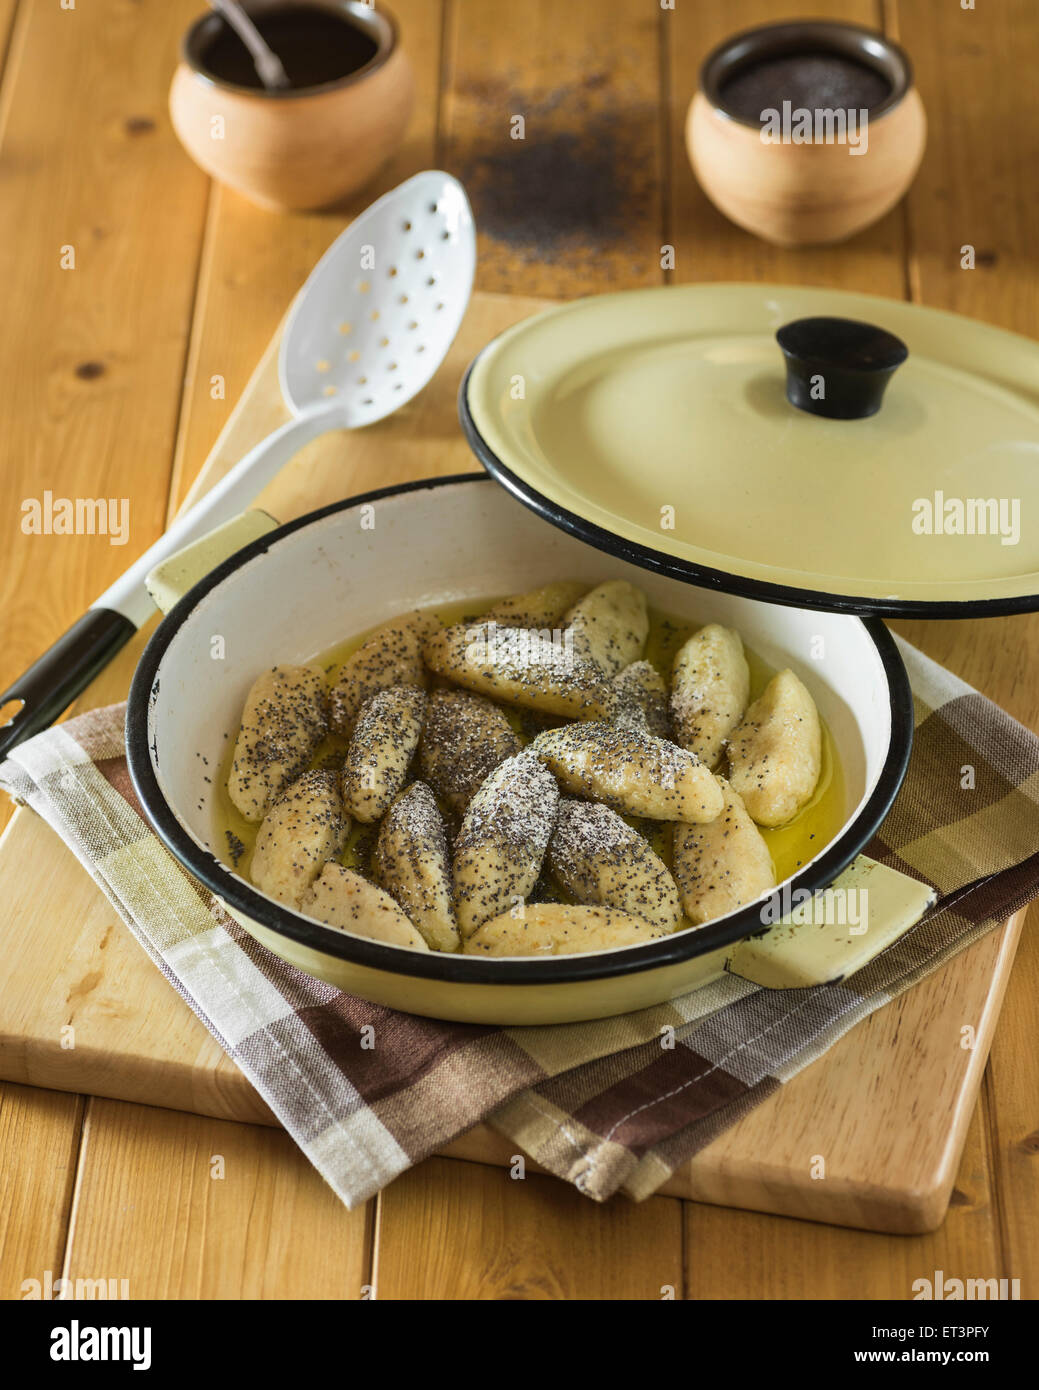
(209, 1209)
(177, 283)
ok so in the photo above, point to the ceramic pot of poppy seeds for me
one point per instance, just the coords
(320, 139)
(805, 133)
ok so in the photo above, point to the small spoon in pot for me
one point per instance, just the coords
(269, 67)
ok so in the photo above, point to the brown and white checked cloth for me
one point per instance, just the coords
(601, 1104)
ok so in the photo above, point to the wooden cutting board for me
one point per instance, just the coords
(887, 1107)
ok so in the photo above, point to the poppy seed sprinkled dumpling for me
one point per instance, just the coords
(340, 898)
(521, 666)
(600, 859)
(382, 745)
(390, 656)
(630, 771)
(464, 739)
(537, 608)
(411, 863)
(304, 828)
(610, 625)
(710, 687)
(642, 700)
(775, 754)
(723, 865)
(559, 929)
(284, 719)
(502, 841)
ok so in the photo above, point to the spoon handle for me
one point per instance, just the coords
(225, 499)
(268, 65)
(67, 668)
(63, 671)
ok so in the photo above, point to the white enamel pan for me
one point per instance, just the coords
(301, 588)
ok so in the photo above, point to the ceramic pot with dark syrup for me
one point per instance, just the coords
(806, 133)
(320, 139)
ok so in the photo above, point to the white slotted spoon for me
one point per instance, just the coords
(370, 327)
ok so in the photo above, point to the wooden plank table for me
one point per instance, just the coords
(109, 372)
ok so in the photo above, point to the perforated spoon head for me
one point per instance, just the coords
(381, 308)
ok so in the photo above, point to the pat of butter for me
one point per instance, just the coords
(837, 932)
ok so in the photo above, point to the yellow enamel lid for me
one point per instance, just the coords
(656, 425)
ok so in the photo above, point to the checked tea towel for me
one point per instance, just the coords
(600, 1104)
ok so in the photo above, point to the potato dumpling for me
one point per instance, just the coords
(642, 700)
(390, 656)
(599, 859)
(721, 865)
(382, 745)
(340, 898)
(464, 739)
(411, 863)
(304, 828)
(539, 608)
(610, 625)
(630, 771)
(521, 667)
(775, 754)
(284, 720)
(710, 687)
(502, 842)
(557, 929)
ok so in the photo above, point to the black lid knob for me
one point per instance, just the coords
(839, 368)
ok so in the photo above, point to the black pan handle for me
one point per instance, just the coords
(63, 672)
